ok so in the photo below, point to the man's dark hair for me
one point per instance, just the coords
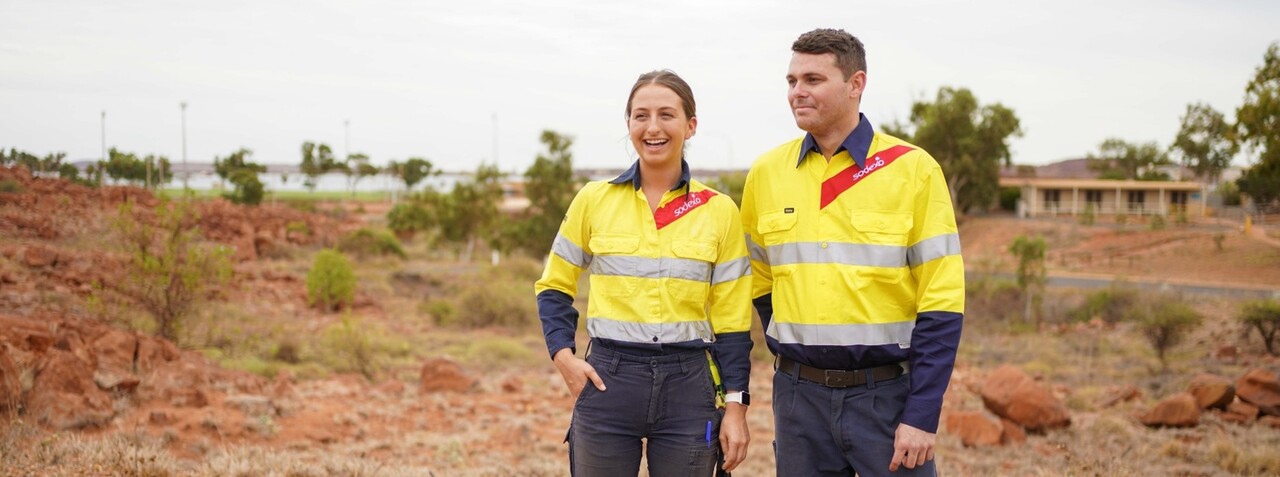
(850, 55)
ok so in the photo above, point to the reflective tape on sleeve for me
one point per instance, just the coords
(757, 252)
(933, 248)
(570, 252)
(730, 271)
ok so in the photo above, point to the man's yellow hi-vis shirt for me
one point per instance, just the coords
(674, 279)
(856, 262)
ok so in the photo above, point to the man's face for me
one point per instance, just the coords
(821, 99)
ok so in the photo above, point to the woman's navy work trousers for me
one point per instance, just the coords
(668, 401)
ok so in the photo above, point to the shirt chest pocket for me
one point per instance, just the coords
(688, 274)
(777, 227)
(881, 227)
(615, 268)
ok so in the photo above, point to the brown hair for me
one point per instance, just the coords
(673, 82)
(850, 55)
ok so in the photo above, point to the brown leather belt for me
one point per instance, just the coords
(840, 378)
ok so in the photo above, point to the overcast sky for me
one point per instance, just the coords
(437, 79)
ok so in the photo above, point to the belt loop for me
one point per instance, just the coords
(870, 374)
(613, 366)
(795, 373)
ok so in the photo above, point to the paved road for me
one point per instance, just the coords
(1079, 280)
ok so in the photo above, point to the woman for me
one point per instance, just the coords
(670, 290)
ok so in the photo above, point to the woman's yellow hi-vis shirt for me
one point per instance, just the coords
(675, 279)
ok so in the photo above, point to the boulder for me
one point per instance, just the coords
(1270, 421)
(37, 256)
(1012, 394)
(1212, 391)
(444, 375)
(1118, 395)
(974, 428)
(1244, 409)
(1013, 433)
(64, 395)
(10, 380)
(1260, 388)
(1178, 410)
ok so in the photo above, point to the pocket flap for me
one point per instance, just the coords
(614, 244)
(776, 222)
(695, 249)
(898, 223)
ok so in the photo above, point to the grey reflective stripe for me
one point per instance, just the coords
(644, 267)
(570, 252)
(757, 252)
(933, 248)
(730, 271)
(650, 333)
(867, 255)
(843, 334)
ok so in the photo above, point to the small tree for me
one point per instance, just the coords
(1164, 322)
(248, 189)
(1263, 316)
(168, 272)
(1031, 269)
(330, 283)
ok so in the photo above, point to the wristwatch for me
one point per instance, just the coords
(740, 397)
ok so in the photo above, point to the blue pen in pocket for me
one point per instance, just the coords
(708, 434)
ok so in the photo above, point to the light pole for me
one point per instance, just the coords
(186, 173)
(104, 136)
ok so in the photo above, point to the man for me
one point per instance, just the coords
(858, 277)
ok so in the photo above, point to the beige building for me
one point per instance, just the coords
(1049, 197)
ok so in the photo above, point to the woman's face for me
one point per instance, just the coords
(658, 125)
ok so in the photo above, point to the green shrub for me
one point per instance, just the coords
(408, 218)
(169, 272)
(1157, 222)
(493, 302)
(1110, 304)
(1264, 316)
(330, 283)
(349, 347)
(248, 189)
(1089, 217)
(10, 186)
(365, 242)
(1164, 322)
(440, 310)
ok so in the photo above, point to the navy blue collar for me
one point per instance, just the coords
(858, 143)
(633, 175)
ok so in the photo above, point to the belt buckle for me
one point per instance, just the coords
(838, 378)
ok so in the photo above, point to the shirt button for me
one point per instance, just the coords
(655, 339)
(824, 245)
(655, 310)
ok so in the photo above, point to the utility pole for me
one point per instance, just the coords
(186, 173)
(103, 162)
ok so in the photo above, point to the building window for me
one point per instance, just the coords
(1051, 198)
(1136, 199)
(1178, 197)
(1093, 197)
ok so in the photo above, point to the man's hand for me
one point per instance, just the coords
(911, 447)
(576, 372)
(734, 436)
